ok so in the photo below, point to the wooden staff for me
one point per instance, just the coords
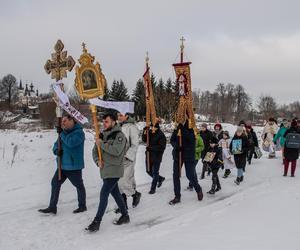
(148, 153)
(97, 132)
(180, 152)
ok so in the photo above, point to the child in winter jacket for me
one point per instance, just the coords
(227, 158)
(214, 160)
(239, 148)
(269, 132)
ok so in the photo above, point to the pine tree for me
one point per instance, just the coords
(118, 91)
(138, 96)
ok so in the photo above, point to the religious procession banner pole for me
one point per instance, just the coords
(90, 83)
(185, 112)
(151, 118)
(58, 66)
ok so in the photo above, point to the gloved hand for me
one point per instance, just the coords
(59, 129)
(180, 148)
(148, 148)
(101, 136)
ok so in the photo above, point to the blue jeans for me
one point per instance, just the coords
(154, 173)
(110, 186)
(75, 177)
(190, 174)
(240, 172)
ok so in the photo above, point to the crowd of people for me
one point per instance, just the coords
(119, 142)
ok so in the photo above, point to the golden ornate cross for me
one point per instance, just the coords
(59, 63)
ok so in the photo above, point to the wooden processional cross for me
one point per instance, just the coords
(58, 67)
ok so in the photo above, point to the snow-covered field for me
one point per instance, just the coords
(261, 213)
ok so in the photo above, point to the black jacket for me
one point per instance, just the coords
(188, 144)
(157, 144)
(291, 154)
(241, 159)
(252, 139)
(218, 160)
(206, 136)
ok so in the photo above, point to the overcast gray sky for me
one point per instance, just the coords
(255, 43)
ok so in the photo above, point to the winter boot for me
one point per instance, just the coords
(242, 178)
(124, 219)
(160, 182)
(136, 198)
(227, 173)
(237, 181)
(175, 201)
(79, 210)
(48, 210)
(94, 226)
(151, 191)
(200, 195)
(212, 190)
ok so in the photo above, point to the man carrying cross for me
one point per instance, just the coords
(72, 162)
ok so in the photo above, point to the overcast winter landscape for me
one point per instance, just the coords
(143, 87)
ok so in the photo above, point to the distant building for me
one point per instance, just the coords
(28, 99)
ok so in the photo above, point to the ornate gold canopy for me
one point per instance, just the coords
(90, 82)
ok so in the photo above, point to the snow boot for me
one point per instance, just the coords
(79, 210)
(237, 181)
(136, 198)
(242, 178)
(212, 190)
(151, 191)
(160, 182)
(94, 226)
(200, 195)
(48, 210)
(175, 201)
(124, 219)
(227, 173)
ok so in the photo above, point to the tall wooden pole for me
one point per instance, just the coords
(97, 133)
(58, 67)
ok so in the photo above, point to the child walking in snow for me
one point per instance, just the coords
(214, 160)
(227, 158)
(239, 148)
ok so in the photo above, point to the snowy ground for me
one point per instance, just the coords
(262, 213)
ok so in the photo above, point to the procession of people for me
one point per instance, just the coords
(119, 142)
(116, 146)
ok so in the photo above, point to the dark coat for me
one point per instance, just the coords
(219, 136)
(157, 144)
(291, 154)
(241, 159)
(206, 136)
(188, 144)
(252, 139)
(218, 160)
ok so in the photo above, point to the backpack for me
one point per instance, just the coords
(292, 140)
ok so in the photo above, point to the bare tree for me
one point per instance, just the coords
(9, 88)
(267, 106)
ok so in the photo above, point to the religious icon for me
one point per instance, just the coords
(89, 80)
(182, 85)
(237, 146)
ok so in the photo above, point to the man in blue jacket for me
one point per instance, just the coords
(72, 162)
